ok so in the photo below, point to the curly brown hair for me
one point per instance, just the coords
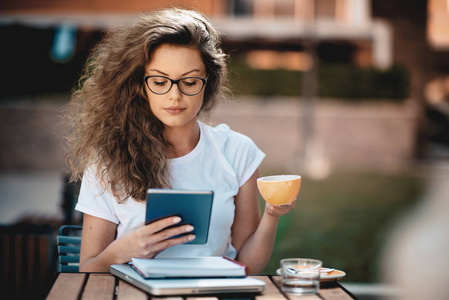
(114, 129)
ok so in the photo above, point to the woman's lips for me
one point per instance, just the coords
(174, 110)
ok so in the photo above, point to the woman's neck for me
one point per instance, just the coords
(182, 139)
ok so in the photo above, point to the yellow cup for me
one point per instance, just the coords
(279, 189)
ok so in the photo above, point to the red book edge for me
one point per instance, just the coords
(138, 271)
(238, 263)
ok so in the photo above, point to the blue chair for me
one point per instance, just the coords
(69, 245)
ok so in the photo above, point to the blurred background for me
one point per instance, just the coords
(351, 94)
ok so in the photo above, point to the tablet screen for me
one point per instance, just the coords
(193, 207)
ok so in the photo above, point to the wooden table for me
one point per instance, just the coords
(99, 286)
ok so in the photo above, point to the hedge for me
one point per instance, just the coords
(335, 81)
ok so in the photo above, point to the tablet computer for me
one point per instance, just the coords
(193, 207)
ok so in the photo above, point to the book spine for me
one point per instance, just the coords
(238, 263)
(138, 271)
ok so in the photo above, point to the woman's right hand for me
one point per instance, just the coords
(147, 241)
(100, 249)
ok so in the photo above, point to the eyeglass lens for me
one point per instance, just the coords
(161, 85)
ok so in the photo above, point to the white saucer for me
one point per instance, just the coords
(331, 276)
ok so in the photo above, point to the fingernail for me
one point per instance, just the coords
(191, 237)
(189, 228)
(176, 220)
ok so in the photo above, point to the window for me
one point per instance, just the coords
(240, 8)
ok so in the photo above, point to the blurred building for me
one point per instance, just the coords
(345, 27)
(50, 40)
(271, 33)
(343, 31)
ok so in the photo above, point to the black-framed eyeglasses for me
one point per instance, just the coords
(189, 86)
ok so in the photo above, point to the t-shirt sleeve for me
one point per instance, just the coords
(94, 200)
(244, 156)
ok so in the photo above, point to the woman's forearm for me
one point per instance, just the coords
(256, 251)
(101, 262)
(94, 264)
(100, 249)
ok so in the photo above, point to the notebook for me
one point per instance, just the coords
(164, 287)
(193, 267)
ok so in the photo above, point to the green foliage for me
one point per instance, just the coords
(246, 81)
(345, 221)
(341, 81)
(335, 81)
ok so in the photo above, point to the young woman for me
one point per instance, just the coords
(135, 127)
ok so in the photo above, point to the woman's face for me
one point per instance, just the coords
(175, 109)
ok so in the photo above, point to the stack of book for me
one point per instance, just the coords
(189, 267)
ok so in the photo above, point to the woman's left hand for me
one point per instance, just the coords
(279, 210)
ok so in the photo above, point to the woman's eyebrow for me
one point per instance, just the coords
(194, 70)
(156, 70)
(165, 74)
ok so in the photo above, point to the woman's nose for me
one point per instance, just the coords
(175, 92)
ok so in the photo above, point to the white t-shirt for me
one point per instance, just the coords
(222, 161)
